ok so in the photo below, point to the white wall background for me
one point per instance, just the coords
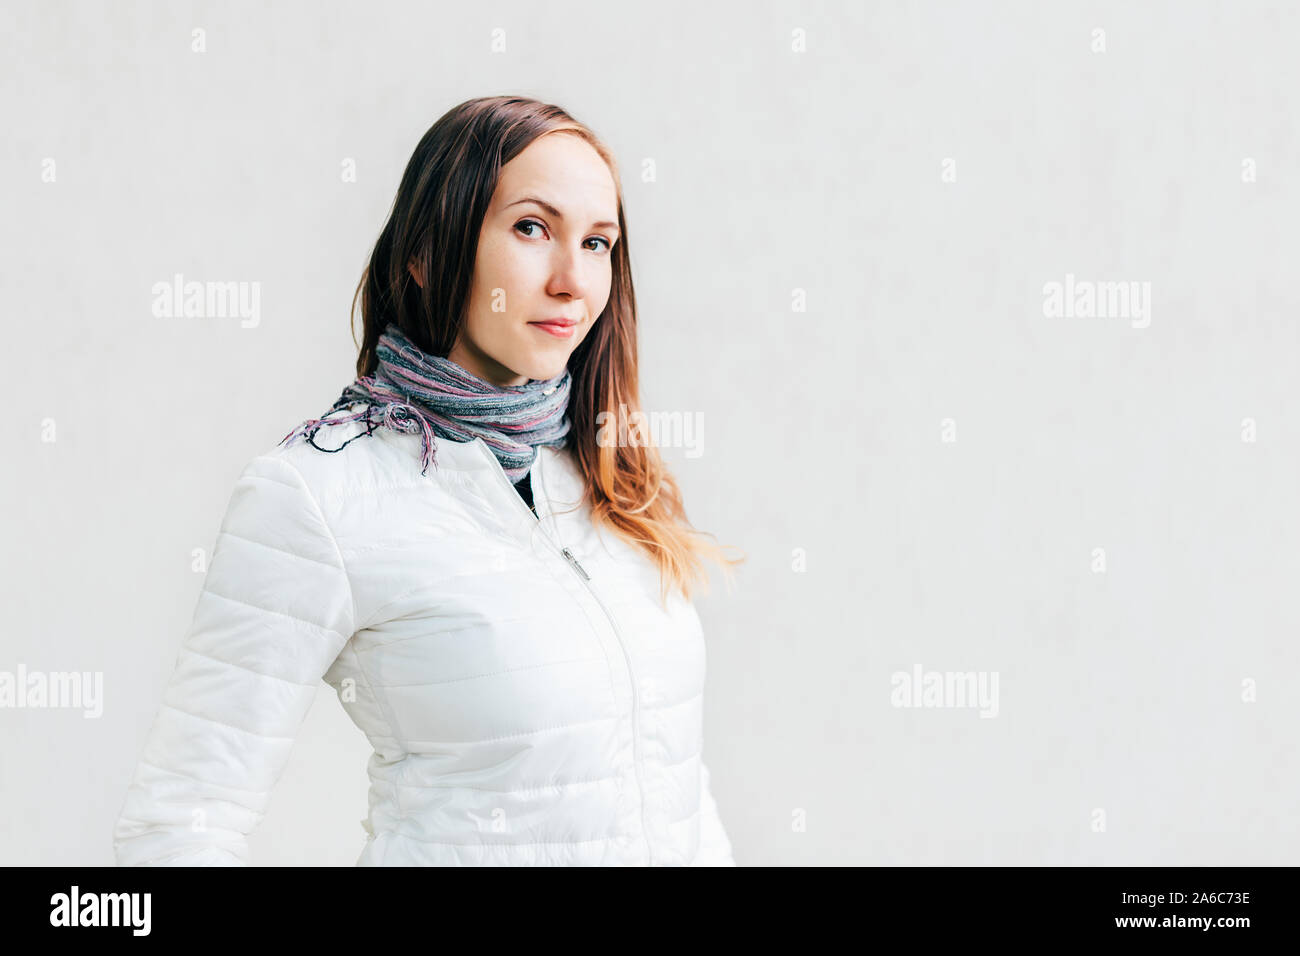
(823, 170)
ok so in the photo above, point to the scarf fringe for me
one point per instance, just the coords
(412, 392)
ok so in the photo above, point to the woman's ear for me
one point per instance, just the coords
(415, 274)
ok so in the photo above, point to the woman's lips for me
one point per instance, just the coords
(557, 329)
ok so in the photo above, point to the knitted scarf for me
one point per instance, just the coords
(412, 391)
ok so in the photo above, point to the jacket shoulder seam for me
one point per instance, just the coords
(261, 544)
(268, 610)
(329, 532)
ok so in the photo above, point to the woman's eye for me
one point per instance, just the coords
(531, 223)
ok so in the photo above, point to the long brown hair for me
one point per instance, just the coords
(435, 222)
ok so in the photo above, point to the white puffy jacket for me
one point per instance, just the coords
(529, 700)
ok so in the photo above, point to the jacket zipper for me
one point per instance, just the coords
(586, 580)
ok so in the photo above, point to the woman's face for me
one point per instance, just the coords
(544, 252)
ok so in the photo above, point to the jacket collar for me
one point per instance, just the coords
(560, 475)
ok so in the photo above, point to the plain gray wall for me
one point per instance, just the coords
(1160, 691)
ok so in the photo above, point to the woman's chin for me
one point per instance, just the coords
(541, 370)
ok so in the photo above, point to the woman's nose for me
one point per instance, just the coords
(567, 276)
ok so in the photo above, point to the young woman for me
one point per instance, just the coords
(495, 579)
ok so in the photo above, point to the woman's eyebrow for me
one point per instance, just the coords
(559, 215)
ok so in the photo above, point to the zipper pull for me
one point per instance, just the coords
(574, 561)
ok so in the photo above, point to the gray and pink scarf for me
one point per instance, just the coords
(413, 391)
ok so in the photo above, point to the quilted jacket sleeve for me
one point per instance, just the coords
(715, 848)
(274, 612)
